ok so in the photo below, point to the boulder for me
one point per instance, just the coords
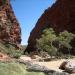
(57, 73)
(26, 62)
(4, 57)
(68, 66)
(39, 68)
(36, 67)
(62, 66)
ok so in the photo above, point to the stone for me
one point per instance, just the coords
(60, 17)
(4, 57)
(68, 66)
(10, 31)
(36, 67)
(39, 68)
(57, 73)
(26, 62)
(62, 66)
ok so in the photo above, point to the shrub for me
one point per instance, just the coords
(45, 43)
(65, 39)
(55, 44)
(10, 50)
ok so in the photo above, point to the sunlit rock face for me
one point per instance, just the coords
(61, 16)
(10, 31)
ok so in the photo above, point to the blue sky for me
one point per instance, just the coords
(27, 13)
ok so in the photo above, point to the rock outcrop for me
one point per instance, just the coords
(10, 31)
(68, 66)
(61, 16)
(4, 57)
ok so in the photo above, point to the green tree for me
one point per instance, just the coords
(45, 43)
(49, 39)
(5, 1)
(64, 39)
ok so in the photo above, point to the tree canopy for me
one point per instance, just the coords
(45, 43)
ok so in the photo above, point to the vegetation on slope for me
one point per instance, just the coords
(10, 50)
(15, 69)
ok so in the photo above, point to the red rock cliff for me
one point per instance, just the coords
(61, 16)
(10, 31)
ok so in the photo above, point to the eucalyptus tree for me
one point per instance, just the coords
(45, 43)
(64, 39)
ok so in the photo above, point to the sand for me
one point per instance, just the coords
(54, 65)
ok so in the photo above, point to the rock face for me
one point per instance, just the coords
(68, 66)
(61, 16)
(10, 31)
(4, 57)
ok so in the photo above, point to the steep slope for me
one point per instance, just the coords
(10, 31)
(61, 16)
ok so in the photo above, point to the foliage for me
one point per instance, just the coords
(10, 50)
(64, 39)
(13, 68)
(46, 40)
(4, 1)
(49, 38)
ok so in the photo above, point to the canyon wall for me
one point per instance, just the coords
(61, 16)
(10, 31)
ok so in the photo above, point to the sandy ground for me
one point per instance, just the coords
(54, 65)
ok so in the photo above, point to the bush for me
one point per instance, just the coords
(45, 43)
(10, 50)
(55, 44)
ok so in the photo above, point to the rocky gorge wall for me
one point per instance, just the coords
(61, 16)
(10, 31)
